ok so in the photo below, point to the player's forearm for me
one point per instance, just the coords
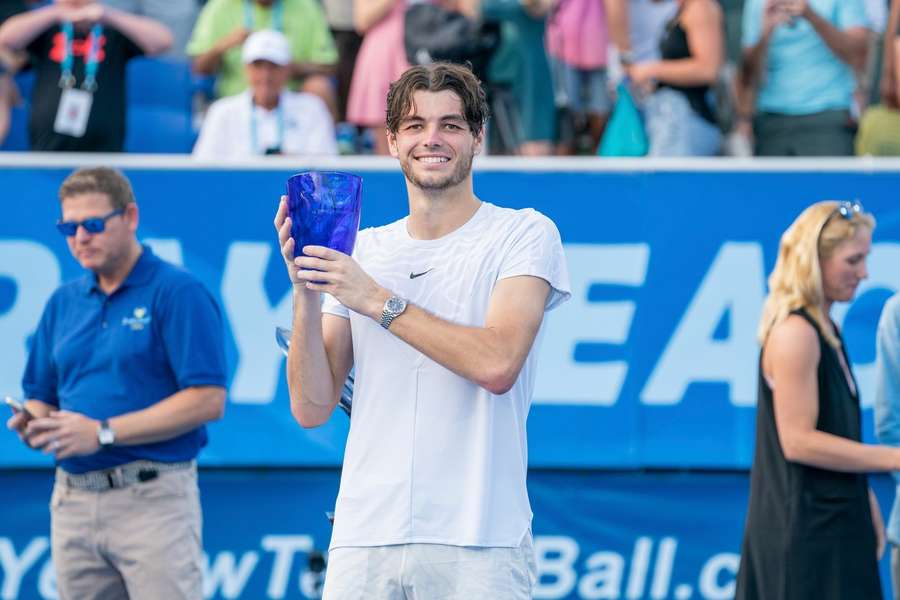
(179, 413)
(150, 35)
(827, 451)
(309, 373)
(18, 31)
(484, 356)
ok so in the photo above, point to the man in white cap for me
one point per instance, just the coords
(268, 118)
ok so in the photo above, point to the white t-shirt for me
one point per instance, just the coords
(431, 457)
(227, 128)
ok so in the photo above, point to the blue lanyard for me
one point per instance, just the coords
(91, 60)
(277, 15)
(254, 136)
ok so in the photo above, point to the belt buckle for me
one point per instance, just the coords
(115, 477)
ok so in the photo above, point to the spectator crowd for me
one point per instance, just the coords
(309, 77)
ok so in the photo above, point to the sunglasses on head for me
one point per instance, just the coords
(92, 225)
(848, 209)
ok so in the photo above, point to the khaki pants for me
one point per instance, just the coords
(140, 542)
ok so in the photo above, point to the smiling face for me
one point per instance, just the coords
(434, 143)
(843, 271)
(103, 252)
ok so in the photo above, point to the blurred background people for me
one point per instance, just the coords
(879, 126)
(224, 25)
(79, 50)
(887, 412)
(520, 64)
(179, 16)
(268, 118)
(889, 87)
(635, 29)
(10, 62)
(339, 14)
(381, 60)
(577, 44)
(799, 58)
(679, 113)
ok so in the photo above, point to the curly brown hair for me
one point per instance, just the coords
(437, 77)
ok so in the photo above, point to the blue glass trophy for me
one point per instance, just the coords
(324, 207)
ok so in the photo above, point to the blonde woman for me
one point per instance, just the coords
(814, 530)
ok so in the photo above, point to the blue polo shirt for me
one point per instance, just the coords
(802, 75)
(105, 355)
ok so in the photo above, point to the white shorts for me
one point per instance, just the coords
(431, 572)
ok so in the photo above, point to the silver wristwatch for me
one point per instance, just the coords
(393, 308)
(105, 435)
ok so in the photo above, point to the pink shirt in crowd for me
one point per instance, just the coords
(577, 34)
(381, 60)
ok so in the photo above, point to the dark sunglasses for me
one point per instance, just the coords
(92, 225)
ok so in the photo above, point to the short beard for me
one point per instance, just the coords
(463, 168)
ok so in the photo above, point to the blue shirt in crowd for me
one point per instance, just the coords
(802, 76)
(887, 397)
(105, 355)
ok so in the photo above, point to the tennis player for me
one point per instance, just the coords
(438, 313)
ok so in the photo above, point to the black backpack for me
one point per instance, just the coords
(433, 33)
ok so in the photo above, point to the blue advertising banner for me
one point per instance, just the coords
(652, 363)
(597, 536)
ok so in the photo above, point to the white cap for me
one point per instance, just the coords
(269, 45)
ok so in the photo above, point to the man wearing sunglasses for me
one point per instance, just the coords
(126, 367)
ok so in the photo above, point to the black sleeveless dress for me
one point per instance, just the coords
(674, 46)
(809, 533)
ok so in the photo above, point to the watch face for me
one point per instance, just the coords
(106, 436)
(396, 305)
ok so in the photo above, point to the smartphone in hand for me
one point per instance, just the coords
(18, 406)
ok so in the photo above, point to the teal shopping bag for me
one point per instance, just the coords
(624, 135)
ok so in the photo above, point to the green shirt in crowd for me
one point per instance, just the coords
(303, 22)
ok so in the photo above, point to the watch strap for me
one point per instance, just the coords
(388, 314)
(386, 317)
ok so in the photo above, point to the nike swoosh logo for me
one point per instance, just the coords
(414, 275)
